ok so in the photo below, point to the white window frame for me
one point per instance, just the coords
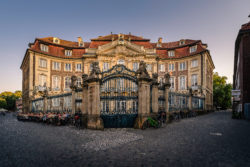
(171, 53)
(44, 48)
(42, 79)
(67, 82)
(68, 52)
(182, 86)
(67, 67)
(56, 84)
(135, 66)
(171, 67)
(194, 79)
(162, 67)
(194, 63)
(105, 66)
(42, 63)
(78, 67)
(149, 67)
(193, 49)
(56, 65)
(55, 102)
(79, 82)
(172, 83)
(182, 66)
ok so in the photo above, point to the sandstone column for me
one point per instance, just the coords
(143, 95)
(167, 86)
(73, 87)
(84, 100)
(190, 99)
(155, 95)
(45, 104)
(94, 110)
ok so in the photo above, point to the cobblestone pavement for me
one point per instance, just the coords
(210, 140)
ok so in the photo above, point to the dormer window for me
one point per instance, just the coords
(44, 48)
(171, 53)
(182, 42)
(56, 40)
(193, 49)
(68, 52)
(81, 44)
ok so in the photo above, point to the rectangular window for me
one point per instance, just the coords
(149, 67)
(79, 67)
(171, 53)
(90, 67)
(161, 67)
(182, 66)
(55, 83)
(79, 82)
(67, 67)
(182, 83)
(55, 102)
(105, 66)
(194, 80)
(67, 83)
(43, 63)
(42, 80)
(193, 49)
(171, 82)
(56, 65)
(44, 48)
(171, 67)
(68, 52)
(161, 81)
(135, 66)
(194, 63)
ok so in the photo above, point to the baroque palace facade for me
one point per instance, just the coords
(52, 61)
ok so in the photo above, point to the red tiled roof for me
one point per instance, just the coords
(58, 51)
(77, 52)
(180, 52)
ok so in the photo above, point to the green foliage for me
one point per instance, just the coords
(8, 99)
(3, 103)
(221, 91)
(152, 122)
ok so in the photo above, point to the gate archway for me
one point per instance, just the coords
(119, 97)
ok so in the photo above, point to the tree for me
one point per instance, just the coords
(222, 91)
(3, 103)
(18, 94)
(8, 99)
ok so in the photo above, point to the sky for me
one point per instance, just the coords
(215, 22)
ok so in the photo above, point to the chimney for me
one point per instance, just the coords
(159, 42)
(80, 42)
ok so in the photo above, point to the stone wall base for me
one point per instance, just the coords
(84, 120)
(95, 122)
(140, 120)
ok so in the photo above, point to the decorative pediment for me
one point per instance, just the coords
(121, 47)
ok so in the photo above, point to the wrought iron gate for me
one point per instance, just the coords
(119, 97)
